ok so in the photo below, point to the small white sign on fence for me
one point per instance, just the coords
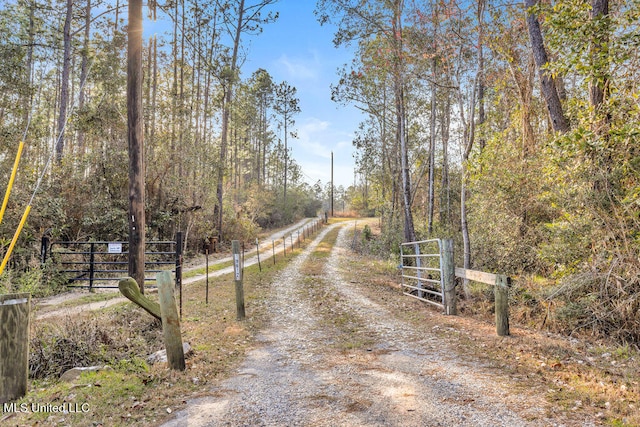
(114, 248)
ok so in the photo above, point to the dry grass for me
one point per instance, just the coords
(576, 375)
(133, 393)
(348, 327)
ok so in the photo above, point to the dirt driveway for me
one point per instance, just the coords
(393, 375)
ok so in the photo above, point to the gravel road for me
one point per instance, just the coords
(402, 377)
(251, 259)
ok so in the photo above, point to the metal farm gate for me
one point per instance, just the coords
(87, 263)
(422, 277)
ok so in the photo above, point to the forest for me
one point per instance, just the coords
(511, 127)
(215, 142)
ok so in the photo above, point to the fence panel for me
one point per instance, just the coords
(422, 276)
(88, 263)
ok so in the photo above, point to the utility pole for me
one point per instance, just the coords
(332, 183)
(136, 147)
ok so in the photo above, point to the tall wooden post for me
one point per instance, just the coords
(206, 275)
(136, 147)
(179, 267)
(170, 322)
(258, 254)
(501, 292)
(448, 277)
(237, 269)
(14, 345)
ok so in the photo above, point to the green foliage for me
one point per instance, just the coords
(39, 281)
(366, 232)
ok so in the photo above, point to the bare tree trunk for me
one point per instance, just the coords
(286, 162)
(468, 145)
(226, 111)
(600, 77)
(154, 94)
(549, 90)
(64, 83)
(136, 147)
(28, 95)
(84, 69)
(445, 195)
(401, 134)
(181, 108)
(432, 154)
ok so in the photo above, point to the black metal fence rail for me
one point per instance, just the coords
(107, 261)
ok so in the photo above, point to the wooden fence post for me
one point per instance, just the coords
(130, 289)
(14, 345)
(206, 275)
(448, 277)
(179, 244)
(237, 269)
(501, 292)
(170, 322)
(258, 254)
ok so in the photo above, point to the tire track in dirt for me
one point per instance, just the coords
(298, 377)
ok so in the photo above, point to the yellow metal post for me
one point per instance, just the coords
(13, 177)
(15, 238)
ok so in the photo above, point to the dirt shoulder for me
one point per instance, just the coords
(339, 351)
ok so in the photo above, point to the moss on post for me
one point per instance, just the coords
(130, 289)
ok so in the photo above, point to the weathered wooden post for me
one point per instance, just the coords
(170, 322)
(130, 289)
(258, 254)
(273, 248)
(179, 266)
(501, 292)
(206, 275)
(92, 261)
(237, 270)
(284, 245)
(14, 345)
(448, 277)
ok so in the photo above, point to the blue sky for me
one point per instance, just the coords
(298, 50)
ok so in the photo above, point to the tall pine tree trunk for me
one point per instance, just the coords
(226, 112)
(64, 83)
(84, 70)
(548, 85)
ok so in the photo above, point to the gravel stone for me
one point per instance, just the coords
(408, 377)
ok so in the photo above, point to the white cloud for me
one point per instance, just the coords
(312, 150)
(299, 69)
(313, 135)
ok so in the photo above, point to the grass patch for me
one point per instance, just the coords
(202, 271)
(577, 377)
(133, 393)
(314, 266)
(347, 329)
